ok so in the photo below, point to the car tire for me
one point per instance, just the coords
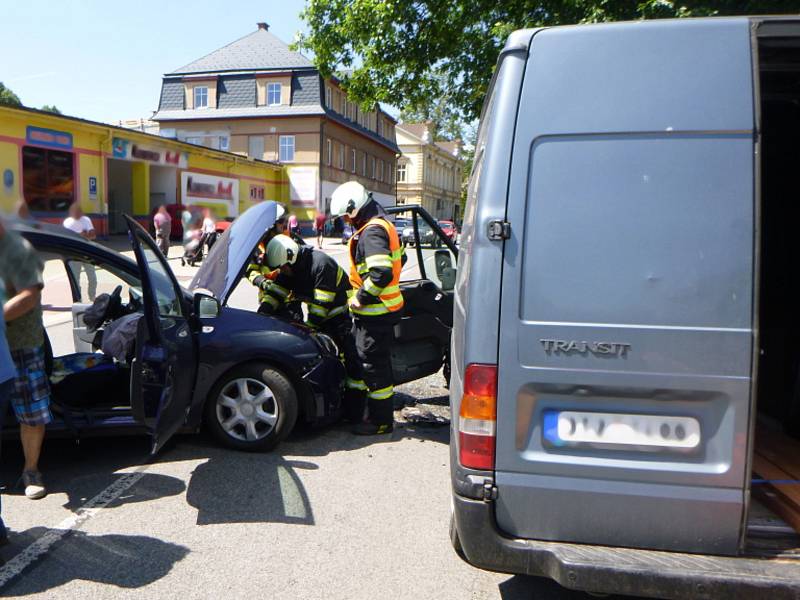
(235, 422)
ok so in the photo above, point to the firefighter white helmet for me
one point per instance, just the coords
(281, 250)
(348, 199)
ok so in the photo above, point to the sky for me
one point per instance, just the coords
(103, 60)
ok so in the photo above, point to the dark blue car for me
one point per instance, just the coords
(193, 360)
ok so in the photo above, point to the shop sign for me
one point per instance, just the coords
(93, 188)
(48, 137)
(126, 150)
(256, 192)
(303, 186)
(218, 193)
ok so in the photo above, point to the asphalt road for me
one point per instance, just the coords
(326, 515)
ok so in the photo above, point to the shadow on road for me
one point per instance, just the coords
(125, 561)
(523, 587)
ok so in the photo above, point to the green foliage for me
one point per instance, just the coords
(7, 97)
(407, 52)
(51, 108)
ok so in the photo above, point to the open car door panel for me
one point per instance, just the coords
(163, 370)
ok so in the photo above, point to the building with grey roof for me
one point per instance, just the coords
(258, 97)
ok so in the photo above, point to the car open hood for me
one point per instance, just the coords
(224, 266)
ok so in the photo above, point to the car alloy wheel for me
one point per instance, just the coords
(247, 409)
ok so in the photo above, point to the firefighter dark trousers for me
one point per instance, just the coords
(373, 340)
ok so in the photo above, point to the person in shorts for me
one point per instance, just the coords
(7, 373)
(21, 270)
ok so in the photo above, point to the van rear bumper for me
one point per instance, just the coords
(628, 571)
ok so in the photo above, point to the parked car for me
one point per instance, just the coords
(627, 322)
(247, 376)
(450, 230)
(426, 236)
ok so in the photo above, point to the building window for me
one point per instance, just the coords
(401, 200)
(330, 153)
(364, 165)
(341, 156)
(380, 172)
(48, 181)
(286, 143)
(380, 127)
(194, 139)
(273, 94)
(328, 97)
(353, 156)
(255, 147)
(224, 143)
(374, 166)
(201, 96)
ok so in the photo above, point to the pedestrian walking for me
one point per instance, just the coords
(21, 271)
(209, 228)
(375, 263)
(293, 225)
(7, 373)
(319, 227)
(82, 225)
(163, 226)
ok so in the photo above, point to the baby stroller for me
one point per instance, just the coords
(193, 248)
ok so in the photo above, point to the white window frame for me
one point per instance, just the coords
(380, 172)
(286, 145)
(197, 140)
(198, 93)
(402, 172)
(224, 143)
(341, 156)
(328, 97)
(353, 156)
(271, 87)
(330, 152)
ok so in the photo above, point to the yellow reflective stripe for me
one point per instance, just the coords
(311, 325)
(351, 292)
(336, 311)
(391, 289)
(371, 288)
(355, 384)
(378, 260)
(339, 275)
(392, 302)
(362, 268)
(381, 394)
(279, 290)
(323, 295)
(273, 302)
(369, 309)
(397, 254)
(316, 309)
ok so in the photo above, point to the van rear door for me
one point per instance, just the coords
(626, 337)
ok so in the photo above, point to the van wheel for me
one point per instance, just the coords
(252, 408)
(455, 540)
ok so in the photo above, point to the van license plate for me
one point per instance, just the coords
(568, 428)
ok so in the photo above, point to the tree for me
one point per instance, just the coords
(51, 108)
(405, 52)
(7, 97)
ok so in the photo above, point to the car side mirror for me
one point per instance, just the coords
(206, 306)
(444, 269)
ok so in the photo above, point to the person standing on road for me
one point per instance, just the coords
(319, 227)
(163, 226)
(209, 228)
(21, 270)
(375, 263)
(82, 225)
(7, 373)
(313, 277)
(293, 225)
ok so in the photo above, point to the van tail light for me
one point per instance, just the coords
(478, 417)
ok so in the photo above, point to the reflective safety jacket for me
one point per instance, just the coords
(318, 281)
(257, 272)
(376, 257)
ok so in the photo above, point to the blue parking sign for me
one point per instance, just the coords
(93, 187)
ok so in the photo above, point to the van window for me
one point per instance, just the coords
(628, 229)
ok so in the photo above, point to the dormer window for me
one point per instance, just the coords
(273, 94)
(201, 96)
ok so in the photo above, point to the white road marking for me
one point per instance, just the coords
(42, 545)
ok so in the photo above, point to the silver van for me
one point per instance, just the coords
(626, 342)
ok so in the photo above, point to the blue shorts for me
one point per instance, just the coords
(30, 396)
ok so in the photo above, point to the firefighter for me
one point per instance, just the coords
(375, 263)
(314, 277)
(261, 276)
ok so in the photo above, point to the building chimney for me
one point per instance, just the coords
(264, 26)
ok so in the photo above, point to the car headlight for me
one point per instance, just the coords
(326, 344)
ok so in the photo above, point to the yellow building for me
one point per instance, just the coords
(258, 98)
(51, 161)
(429, 173)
